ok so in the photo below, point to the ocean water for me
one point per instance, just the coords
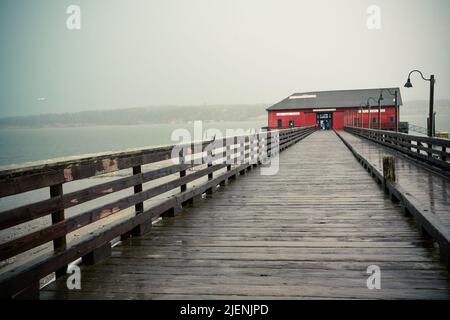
(418, 116)
(19, 145)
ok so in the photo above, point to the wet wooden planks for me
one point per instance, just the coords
(310, 231)
(431, 190)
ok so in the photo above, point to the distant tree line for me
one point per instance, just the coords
(142, 115)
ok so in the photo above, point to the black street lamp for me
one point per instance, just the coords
(408, 84)
(368, 110)
(395, 94)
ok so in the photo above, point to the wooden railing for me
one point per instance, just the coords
(430, 151)
(225, 159)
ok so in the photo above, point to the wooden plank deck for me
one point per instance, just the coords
(310, 231)
(431, 190)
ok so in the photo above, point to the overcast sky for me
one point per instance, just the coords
(186, 52)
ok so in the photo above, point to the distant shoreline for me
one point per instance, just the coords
(139, 116)
(67, 126)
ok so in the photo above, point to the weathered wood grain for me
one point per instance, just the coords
(310, 231)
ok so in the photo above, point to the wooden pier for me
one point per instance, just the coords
(310, 231)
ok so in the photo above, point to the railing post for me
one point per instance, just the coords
(209, 155)
(269, 143)
(249, 143)
(228, 153)
(139, 208)
(261, 147)
(242, 154)
(234, 160)
(256, 151)
(443, 156)
(224, 145)
(59, 244)
(183, 187)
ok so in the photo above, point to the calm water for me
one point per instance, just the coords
(20, 145)
(418, 116)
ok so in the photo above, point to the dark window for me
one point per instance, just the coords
(324, 116)
(280, 123)
(391, 119)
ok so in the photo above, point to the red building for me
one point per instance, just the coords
(335, 109)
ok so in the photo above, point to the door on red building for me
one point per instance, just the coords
(324, 121)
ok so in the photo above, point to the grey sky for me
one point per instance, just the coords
(184, 52)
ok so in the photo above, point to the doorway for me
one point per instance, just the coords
(325, 121)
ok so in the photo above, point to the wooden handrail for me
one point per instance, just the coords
(431, 151)
(234, 154)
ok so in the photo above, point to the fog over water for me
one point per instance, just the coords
(175, 52)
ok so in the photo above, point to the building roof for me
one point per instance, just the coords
(336, 99)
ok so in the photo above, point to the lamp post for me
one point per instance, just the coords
(408, 84)
(361, 113)
(368, 111)
(379, 113)
(395, 94)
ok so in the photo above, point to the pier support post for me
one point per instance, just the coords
(196, 199)
(174, 211)
(388, 170)
(29, 293)
(97, 255)
(224, 182)
(444, 251)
